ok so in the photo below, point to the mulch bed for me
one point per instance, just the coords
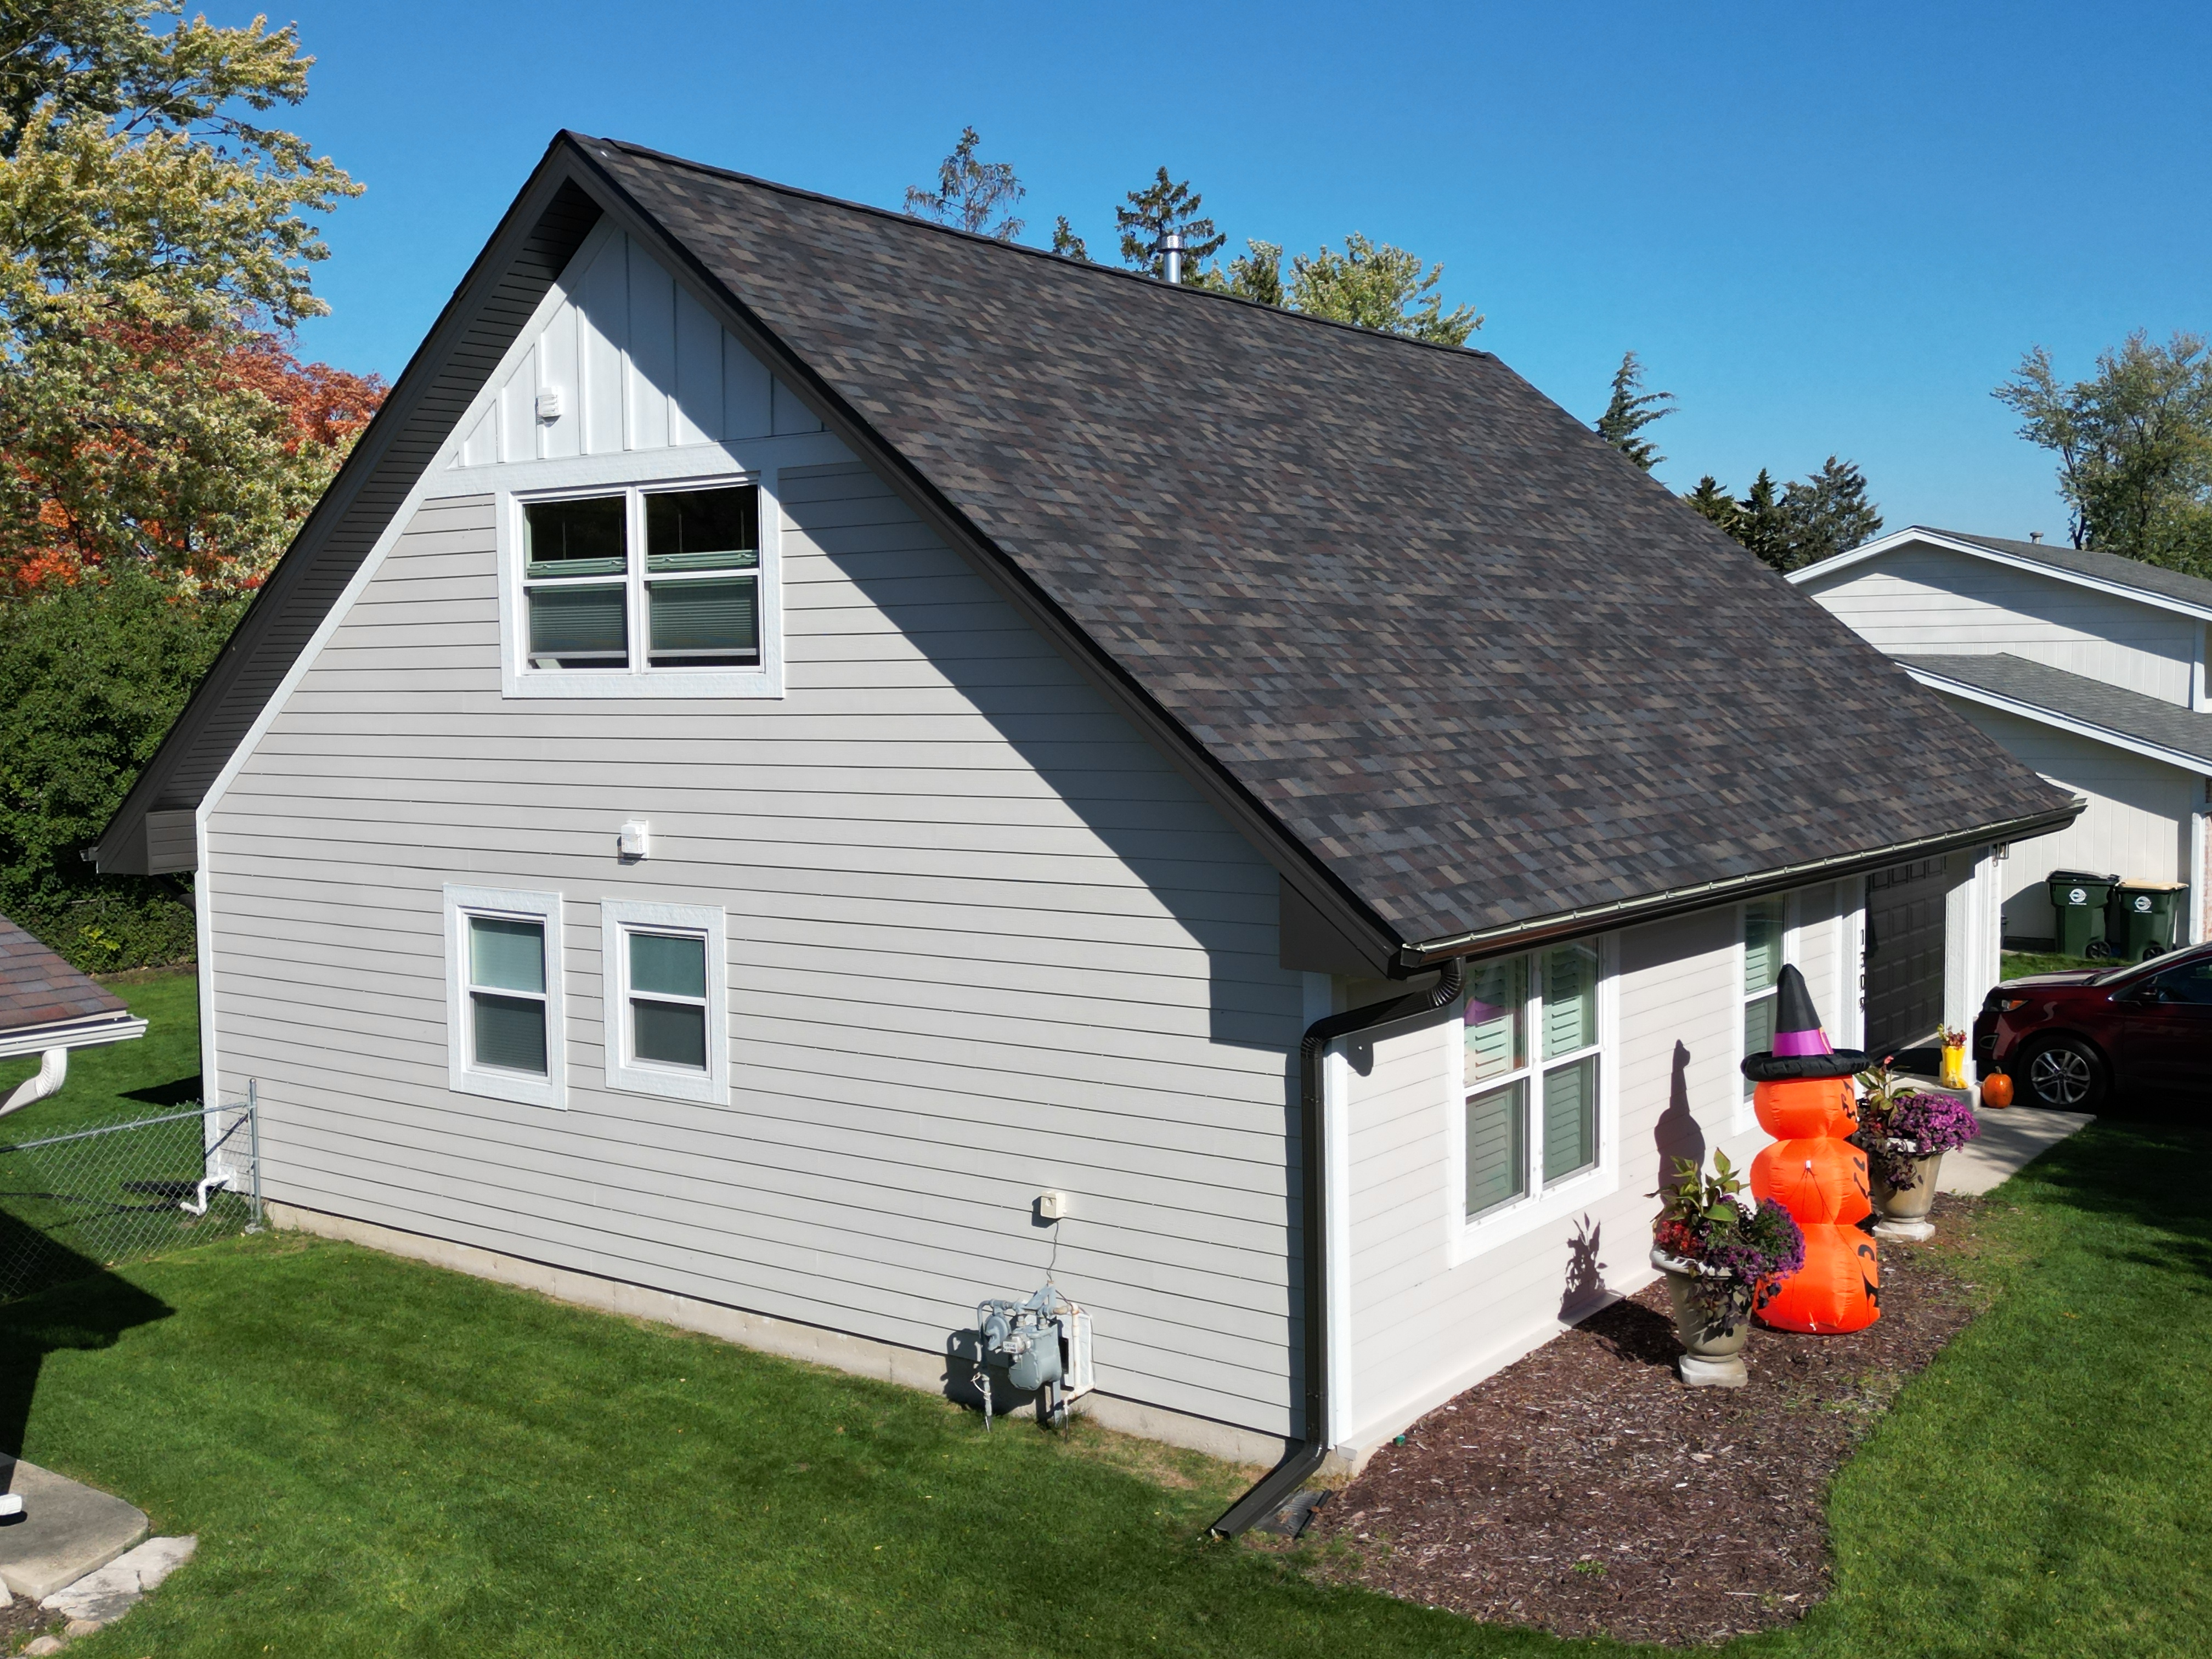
(1586, 1492)
(21, 1619)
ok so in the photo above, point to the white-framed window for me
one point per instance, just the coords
(667, 589)
(506, 1010)
(1765, 945)
(668, 1000)
(1534, 1115)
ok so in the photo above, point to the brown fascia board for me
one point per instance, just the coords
(1321, 889)
(438, 383)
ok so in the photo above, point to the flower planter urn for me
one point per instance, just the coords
(1710, 1358)
(1901, 1213)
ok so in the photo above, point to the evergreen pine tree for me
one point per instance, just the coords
(1632, 409)
(1828, 513)
(1711, 500)
(1161, 206)
(970, 194)
(1065, 243)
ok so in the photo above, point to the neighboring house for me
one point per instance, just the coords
(47, 1008)
(2088, 667)
(798, 731)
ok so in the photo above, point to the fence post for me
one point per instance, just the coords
(253, 1140)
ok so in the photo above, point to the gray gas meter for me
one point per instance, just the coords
(1043, 1346)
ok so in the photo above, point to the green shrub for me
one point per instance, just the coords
(91, 678)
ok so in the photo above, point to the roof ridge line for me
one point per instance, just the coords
(896, 215)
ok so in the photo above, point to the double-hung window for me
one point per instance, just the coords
(668, 1000)
(1533, 1056)
(642, 591)
(1765, 925)
(505, 1005)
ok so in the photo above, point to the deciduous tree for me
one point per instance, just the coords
(2134, 444)
(1374, 285)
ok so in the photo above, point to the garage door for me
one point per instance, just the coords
(1904, 953)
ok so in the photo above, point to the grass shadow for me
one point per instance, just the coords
(78, 1304)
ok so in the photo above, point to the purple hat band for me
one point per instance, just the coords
(1795, 1044)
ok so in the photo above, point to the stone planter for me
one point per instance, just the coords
(1902, 1214)
(1709, 1360)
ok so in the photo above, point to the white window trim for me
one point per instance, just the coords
(465, 1076)
(518, 679)
(1744, 1117)
(631, 1076)
(1543, 1205)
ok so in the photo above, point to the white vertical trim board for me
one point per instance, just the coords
(464, 1075)
(1741, 1118)
(1320, 1002)
(618, 918)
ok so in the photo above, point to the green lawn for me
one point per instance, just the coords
(380, 1458)
(2015, 964)
(156, 1074)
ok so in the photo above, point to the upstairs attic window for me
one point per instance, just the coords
(642, 591)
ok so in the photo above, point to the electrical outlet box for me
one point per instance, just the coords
(634, 840)
(1054, 1206)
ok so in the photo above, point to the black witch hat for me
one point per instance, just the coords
(1801, 1047)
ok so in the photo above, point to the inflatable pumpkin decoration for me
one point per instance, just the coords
(1802, 1090)
(1996, 1090)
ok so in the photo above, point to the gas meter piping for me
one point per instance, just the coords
(1283, 1483)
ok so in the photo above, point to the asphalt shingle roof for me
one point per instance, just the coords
(1480, 667)
(2130, 713)
(2104, 567)
(37, 987)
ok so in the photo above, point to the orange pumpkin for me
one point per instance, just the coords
(1806, 1107)
(1817, 1181)
(1838, 1289)
(1996, 1090)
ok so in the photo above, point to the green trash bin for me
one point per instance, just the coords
(2139, 918)
(2079, 898)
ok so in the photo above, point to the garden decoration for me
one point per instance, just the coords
(1720, 1257)
(1952, 1074)
(1801, 1091)
(1905, 1132)
(1996, 1091)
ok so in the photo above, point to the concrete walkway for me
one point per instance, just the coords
(2010, 1142)
(66, 1530)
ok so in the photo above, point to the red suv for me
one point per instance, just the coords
(2068, 1040)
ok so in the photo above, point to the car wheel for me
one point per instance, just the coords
(2067, 1076)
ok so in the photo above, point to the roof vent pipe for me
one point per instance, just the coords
(1170, 244)
(2035, 535)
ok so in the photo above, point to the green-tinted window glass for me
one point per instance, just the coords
(1496, 1002)
(669, 1033)
(578, 627)
(1570, 1118)
(1570, 1000)
(1762, 945)
(510, 1032)
(575, 538)
(1497, 1146)
(670, 964)
(506, 956)
(1758, 1030)
(688, 524)
(704, 623)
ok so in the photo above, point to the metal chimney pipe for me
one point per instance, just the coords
(1170, 244)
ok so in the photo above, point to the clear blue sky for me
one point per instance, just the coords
(1825, 228)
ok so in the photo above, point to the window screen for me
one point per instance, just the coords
(506, 993)
(703, 571)
(1530, 1034)
(668, 1000)
(576, 583)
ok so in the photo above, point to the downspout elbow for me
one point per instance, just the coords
(53, 1071)
(1282, 1483)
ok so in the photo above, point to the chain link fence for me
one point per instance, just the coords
(72, 1204)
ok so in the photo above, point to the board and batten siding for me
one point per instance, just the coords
(983, 942)
(1923, 600)
(2137, 825)
(1422, 1327)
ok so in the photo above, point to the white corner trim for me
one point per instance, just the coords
(624, 1071)
(1320, 1000)
(2036, 711)
(1829, 567)
(465, 1077)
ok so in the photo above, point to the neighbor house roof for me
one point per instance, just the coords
(2091, 706)
(46, 1004)
(1445, 652)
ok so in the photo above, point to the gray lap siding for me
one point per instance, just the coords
(984, 941)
